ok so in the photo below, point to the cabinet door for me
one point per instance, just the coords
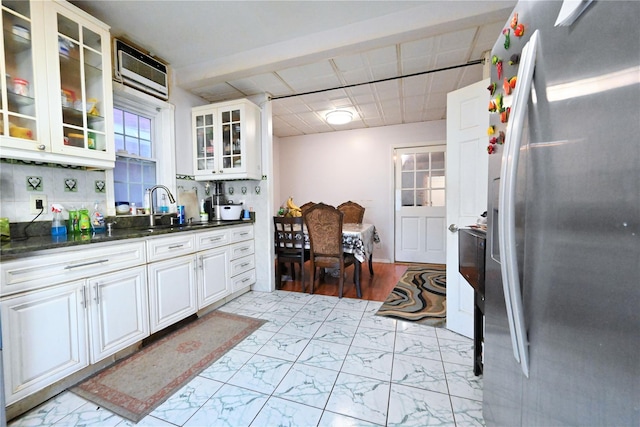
(119, 311)
(172, 291)
(205, 131)
(45, 338)
(213, 283)
(21, 123)
(79, 71)
(232, 156)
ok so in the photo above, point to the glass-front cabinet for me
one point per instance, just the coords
(226, 140)
(56, 99)
(20, 121)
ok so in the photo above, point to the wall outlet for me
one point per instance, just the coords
(38, 203)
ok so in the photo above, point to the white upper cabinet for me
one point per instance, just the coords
(226, 138)
(56, 96)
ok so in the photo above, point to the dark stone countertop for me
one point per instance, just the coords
(124, 228)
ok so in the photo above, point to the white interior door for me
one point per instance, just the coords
(420, 221)
(467, 172)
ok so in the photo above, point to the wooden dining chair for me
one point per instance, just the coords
(289, 246)
(353, 212)
(324, 225)
(306, 206)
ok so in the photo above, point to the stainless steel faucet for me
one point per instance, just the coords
(152, 218)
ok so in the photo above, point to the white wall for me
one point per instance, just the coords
(352, 165)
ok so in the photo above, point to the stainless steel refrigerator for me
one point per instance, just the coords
(562, 308)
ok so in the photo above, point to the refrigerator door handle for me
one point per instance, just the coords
(506, 212)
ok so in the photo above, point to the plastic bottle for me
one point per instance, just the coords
(163, 204)
(147, 202)
(58, 228)
(84, 221)
(97, 219)
(74, 225)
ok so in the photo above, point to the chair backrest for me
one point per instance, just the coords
(306, 206)
(353, 212)
(324, 224)
(288, 235)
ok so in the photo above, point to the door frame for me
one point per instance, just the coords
(392, 183)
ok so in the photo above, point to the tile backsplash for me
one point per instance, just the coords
(70, 187)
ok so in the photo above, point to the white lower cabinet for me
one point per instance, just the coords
(83, 313)
(213, 277)
(45, 338)
(172, 291)
(119, 314)
(63, 310)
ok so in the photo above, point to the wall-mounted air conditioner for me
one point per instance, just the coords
(139, 70)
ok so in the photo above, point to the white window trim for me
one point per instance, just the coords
(164, 140)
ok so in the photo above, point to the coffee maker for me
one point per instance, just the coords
(217, 199)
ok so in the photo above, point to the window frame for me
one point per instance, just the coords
(163, 136)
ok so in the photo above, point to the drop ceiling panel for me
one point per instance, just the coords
(288, 48)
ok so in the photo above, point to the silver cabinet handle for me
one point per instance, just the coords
(215, 239)
(69, 267)
(83, 301)
(41, 147)
(96, 287)
(244, 264)
(175, 246)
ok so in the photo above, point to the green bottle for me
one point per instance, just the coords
(85, 221)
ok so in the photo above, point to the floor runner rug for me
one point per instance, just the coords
(419, 296)
(138, 384)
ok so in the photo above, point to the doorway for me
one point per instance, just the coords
(420, 211)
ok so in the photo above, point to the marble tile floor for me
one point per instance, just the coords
(318, 361)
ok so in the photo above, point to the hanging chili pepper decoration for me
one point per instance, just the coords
(491, 149)
(506, 86)
(514, 20)
(492, 106)
(492, 88)
(518, 31)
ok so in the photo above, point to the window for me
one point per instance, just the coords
(423, 179)
(135, 168)
(144, 143)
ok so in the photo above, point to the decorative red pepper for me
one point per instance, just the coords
(493, 140)
(491, 149)
(499, 69)
(518, 31)
(506, 87)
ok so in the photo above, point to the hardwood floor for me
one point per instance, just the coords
(374, 288)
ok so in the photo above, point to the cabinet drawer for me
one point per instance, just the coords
(241, 265)
(238, 234)
(238, 250)
(243, 280)
(160, 248)
(39, 270)
(212, 239)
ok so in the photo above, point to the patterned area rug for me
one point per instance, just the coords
(135, 386)
(419, 296)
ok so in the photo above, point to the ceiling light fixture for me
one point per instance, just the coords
(339, 117)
